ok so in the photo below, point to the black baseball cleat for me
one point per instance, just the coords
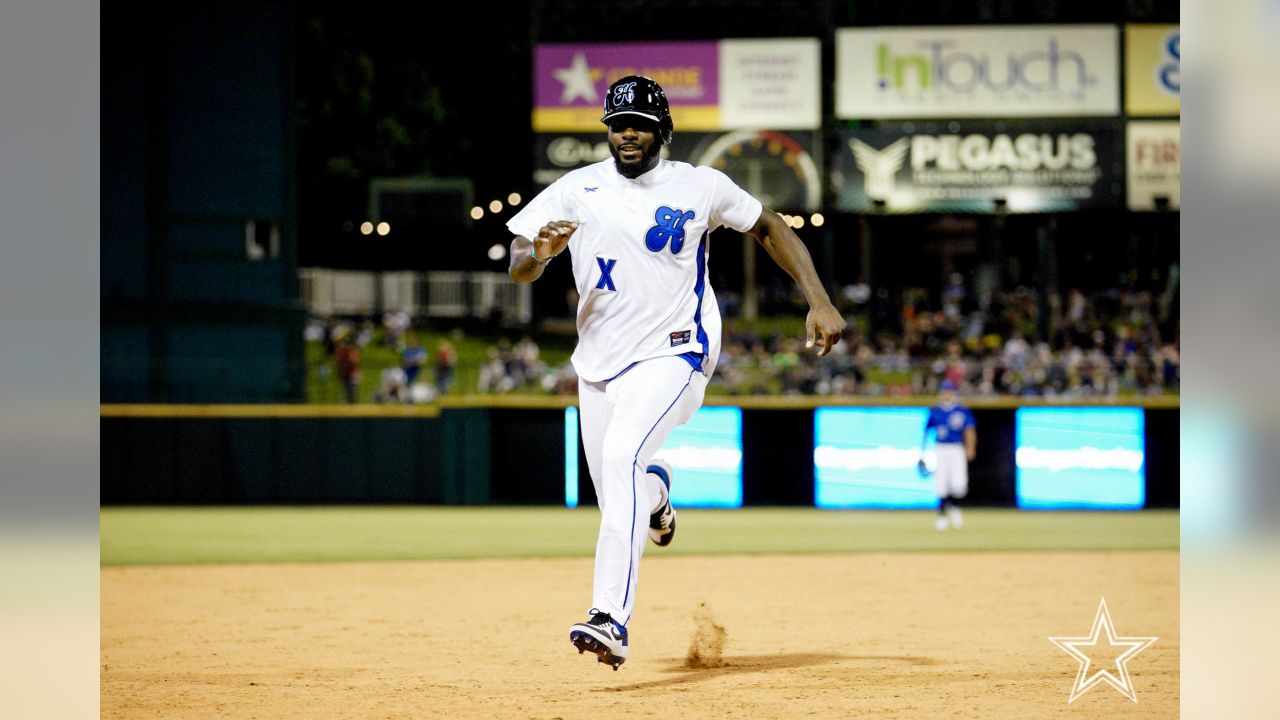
(602, 637)
(662, 523)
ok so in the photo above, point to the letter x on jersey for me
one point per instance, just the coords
(606, 280)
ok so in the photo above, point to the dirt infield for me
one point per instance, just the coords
(872, 635)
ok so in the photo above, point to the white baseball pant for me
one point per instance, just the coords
(624, 421)
(952, 476)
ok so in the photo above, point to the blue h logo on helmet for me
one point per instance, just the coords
(670, 226)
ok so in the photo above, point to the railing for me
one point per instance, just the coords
(438, 294)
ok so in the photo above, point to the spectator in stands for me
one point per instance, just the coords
(396, 324)
(330, 337)
(528, 366)
(412, 359)
(446, 361)
(494, 377)
(1016, 352)
(347, 359)
(392, 387)
(1170, 363)
(563, 381)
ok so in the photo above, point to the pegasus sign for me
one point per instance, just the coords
(979, 166)
(977, 72)
(879, 165)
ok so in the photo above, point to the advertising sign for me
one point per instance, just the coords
(866, 458)
(780, 169)
(1154, 167)
(771, 84)
(1087, 458)
(955, 72)
(711, 85)
(705, 453)
(1152, 69)
(1045, 166)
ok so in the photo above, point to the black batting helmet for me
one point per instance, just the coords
(638, 95)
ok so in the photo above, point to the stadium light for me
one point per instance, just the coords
(366, 228)
(495, 207)
(477, 212)
(514, 199)
(497, 252)
(817, 219)
(799, 222)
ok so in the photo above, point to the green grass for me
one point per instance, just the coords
(143, 536)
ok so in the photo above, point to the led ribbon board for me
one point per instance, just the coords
(705, 454)
(1081, 458)
(866, 458)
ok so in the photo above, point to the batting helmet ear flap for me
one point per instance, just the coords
(638, 95)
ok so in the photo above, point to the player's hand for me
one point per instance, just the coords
(553, 238)
(823, 327)
(922, 468)
(970, 454)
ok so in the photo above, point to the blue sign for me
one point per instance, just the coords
(705, 454)
(1081, 458)
(571, 457)
(866, 458)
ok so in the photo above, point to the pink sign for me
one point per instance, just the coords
(577, 76)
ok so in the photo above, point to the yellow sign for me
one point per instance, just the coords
(580, 119)
(1152, 84)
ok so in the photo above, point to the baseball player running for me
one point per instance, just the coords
(636, 228)
(957, 445)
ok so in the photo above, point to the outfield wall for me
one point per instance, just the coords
(470, 454)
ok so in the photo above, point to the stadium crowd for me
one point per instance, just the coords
(1022, 342)
(1011, 343)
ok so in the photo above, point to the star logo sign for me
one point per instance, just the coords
(1078, 647)
(579, 80)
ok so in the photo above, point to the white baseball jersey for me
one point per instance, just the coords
(640, 259)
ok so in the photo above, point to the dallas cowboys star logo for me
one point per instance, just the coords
(1086, 680)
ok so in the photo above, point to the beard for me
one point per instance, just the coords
(633, 170)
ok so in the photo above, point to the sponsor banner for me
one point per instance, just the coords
(771, 84)
(711, 85)
(866, 458)
(569, 81)
(1081, 458)
(1152, 68)
(975, 166)
(780, 169)
(1154, 164)
(706, 452)
(955, 72)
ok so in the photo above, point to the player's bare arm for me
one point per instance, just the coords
(824, 323)
(529, 257)
(970, 443)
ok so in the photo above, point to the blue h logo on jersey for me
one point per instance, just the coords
(606, 280)
(670, 226)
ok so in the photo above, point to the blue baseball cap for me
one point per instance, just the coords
(946, 385)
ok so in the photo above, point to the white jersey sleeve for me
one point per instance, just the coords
(731, 206)
(545, 207)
